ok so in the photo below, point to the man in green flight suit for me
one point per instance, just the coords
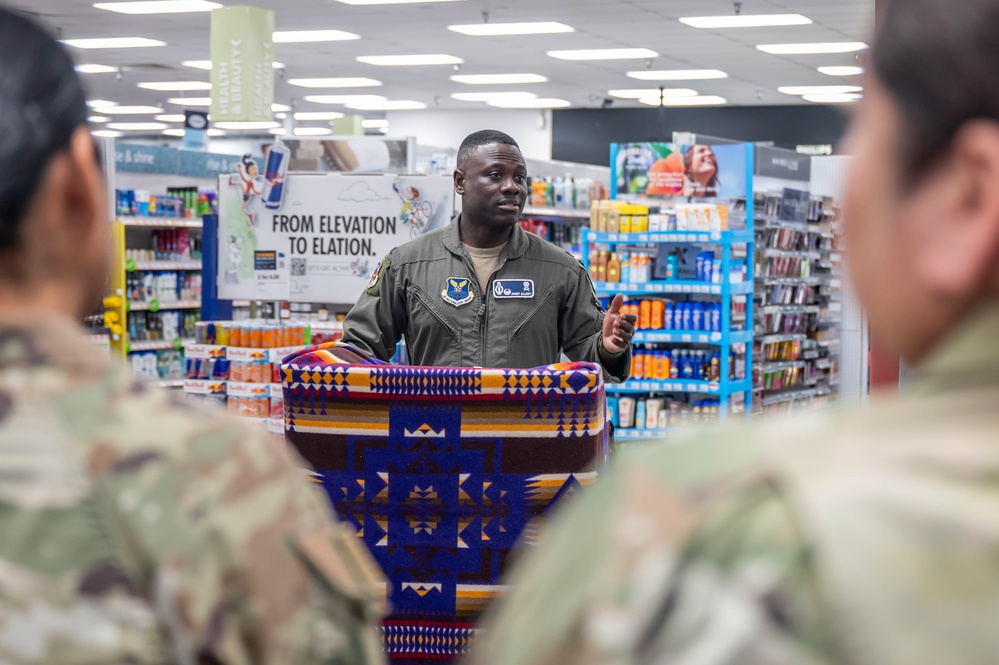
(485, 293)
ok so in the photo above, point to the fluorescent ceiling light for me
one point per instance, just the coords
(280, 108)
(498, 79)
(247, 125)
(107, 133)
(280, 116)
(819, 89)
(96, 69)
(190, 101)
(131, 110)
(705, 100)
(390, 2)
(215, 132)
(278, 131)
(841, 71)
(175, 86)
(745, 21)
(138, 126)
(174, 132)
(644, 93)
(170, 117)
(101, 103)
(390, 105)
(313, 131)
(207, 64)
(354, 82)
(318, 115)
(98, 119)
(310, 36)
(678, 74)
(343, 99)
(410, 60)
(491, 96)
(604, 54)
(498, 29)
(374, 123)
(159, 6)
(812, 49)
(113, 42)
(844, 98)
(540, 103)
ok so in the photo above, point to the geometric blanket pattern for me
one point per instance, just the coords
(443, 471)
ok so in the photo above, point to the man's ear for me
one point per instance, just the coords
(959, 256)
(459, 181)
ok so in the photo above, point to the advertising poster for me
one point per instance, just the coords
(668, 169)
(317, 238)
(353, 154)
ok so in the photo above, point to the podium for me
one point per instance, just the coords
(443, 472)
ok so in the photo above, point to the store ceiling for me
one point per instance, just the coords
(422, 28)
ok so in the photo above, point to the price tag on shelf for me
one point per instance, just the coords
(686, 338)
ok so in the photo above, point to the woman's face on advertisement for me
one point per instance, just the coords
(704, 161)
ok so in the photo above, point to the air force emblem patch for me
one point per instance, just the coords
(458, 291)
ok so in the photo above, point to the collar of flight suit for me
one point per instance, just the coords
(35, 338)
(515, 248)
(968, 357)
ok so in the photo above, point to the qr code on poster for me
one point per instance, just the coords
(298, 267)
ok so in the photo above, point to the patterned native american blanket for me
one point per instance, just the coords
(443, 471)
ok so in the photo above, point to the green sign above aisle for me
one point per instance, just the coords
(242, 50)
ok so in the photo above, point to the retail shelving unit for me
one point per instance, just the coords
(798, 303)
(733, 388)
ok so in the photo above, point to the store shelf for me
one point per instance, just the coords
(780, 366)
(168, 383)
(136, 347)
(675, 287)
(789, 309)
(166, 265)
(793, 395)
(640, 434)
(784, 253)
(162, 222)
(164, 306)
(690, 337)
(791, 281)
(776, 339)
(680, 386)
(702, 237)
(556, 213)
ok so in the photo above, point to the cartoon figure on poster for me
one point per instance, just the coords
(416, 212)
(251, 185)
(666, 169)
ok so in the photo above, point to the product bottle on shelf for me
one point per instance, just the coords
(613, 269)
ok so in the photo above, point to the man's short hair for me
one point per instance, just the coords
(481, 138)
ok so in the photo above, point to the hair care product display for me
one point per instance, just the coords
(177, 203)
(565, 192)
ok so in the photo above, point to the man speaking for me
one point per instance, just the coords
(485, 293)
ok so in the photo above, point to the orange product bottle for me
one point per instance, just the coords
(601, 275)
(236, 335)
(594, 259)
(645, 315)
(658, 312)
(638, 365)
(613, 269)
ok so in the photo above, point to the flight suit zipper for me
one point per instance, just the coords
(485, 317)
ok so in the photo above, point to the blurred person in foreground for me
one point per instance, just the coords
(134, 528)
(865, 538)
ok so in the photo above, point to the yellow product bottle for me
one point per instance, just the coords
(624, 225)
(605, 209)
(639, 219)
(613, 217)
(613, 269)
(595, 216)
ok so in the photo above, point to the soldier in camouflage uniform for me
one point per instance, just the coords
(135, 527)
(859, 538)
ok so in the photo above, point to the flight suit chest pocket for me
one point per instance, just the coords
(536, 320)
(434, 336)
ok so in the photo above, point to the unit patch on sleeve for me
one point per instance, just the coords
(458, 291)
(513, 288)
(376, 277)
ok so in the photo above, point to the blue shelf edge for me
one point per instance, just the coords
(712, 388)
(707, 237)
(691, 337)
(672, 288)
(638, 434)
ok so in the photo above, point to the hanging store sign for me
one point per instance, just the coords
(242, 51)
